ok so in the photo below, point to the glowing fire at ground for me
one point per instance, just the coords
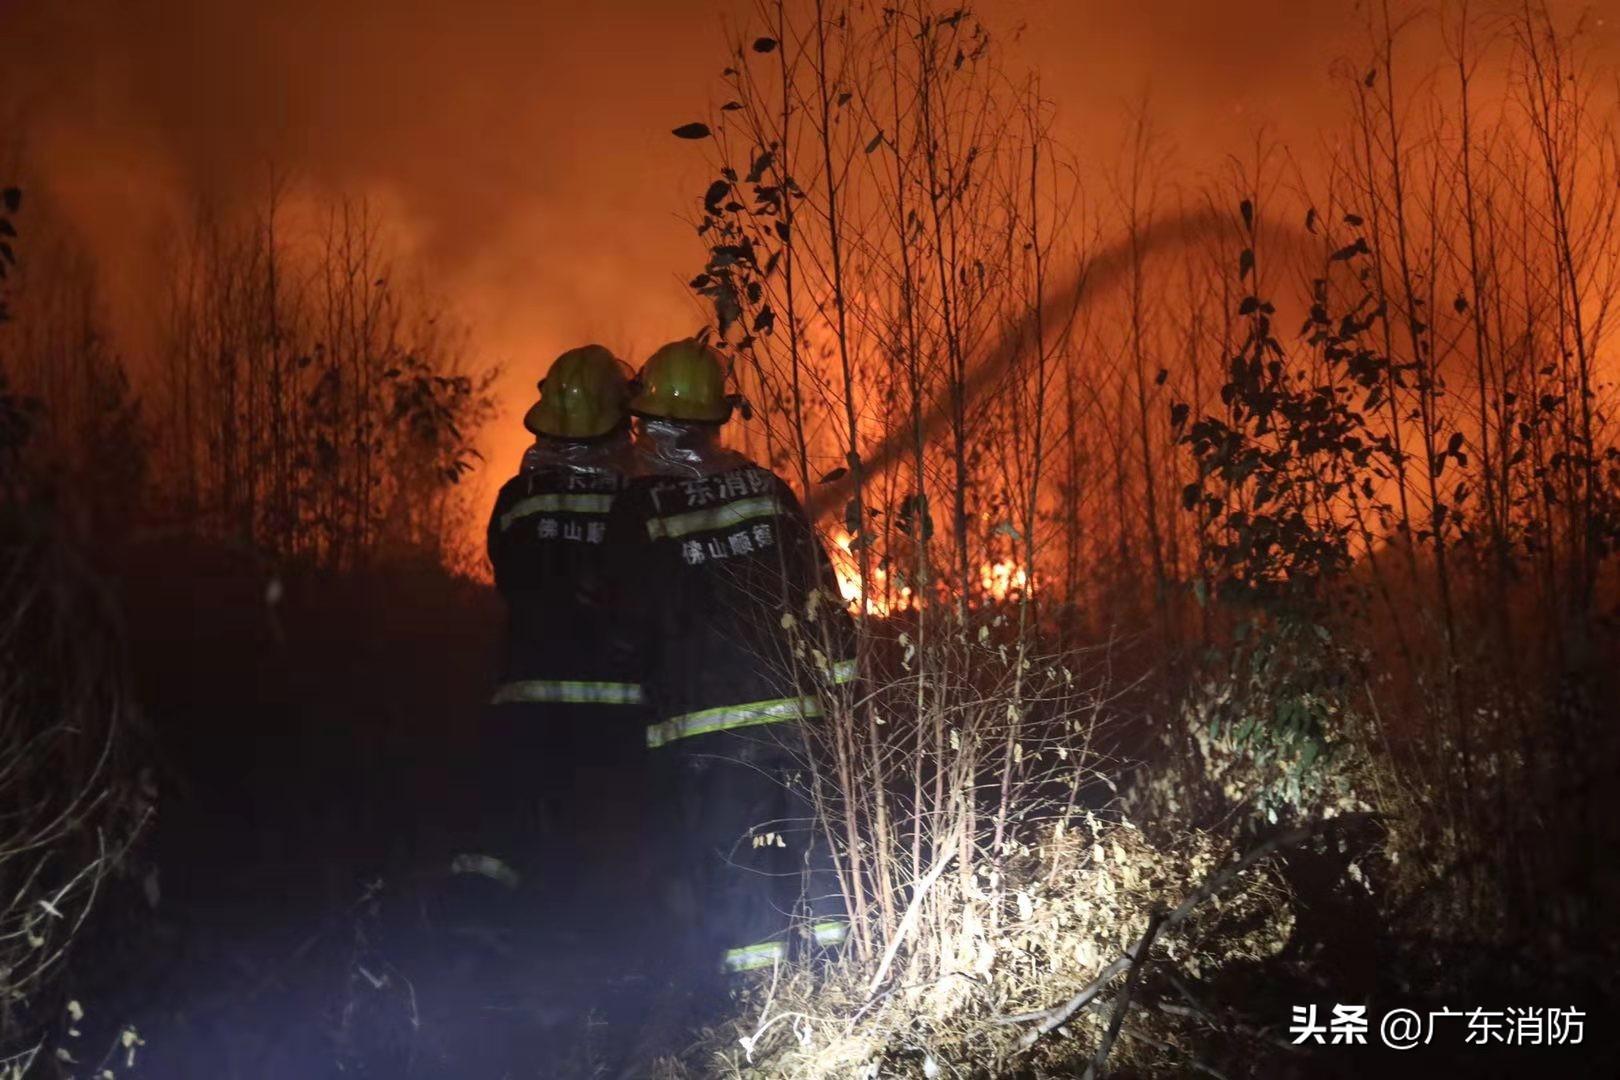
(1001, 580)
(882, 600)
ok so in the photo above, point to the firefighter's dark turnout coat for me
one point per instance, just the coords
(565, 720)
(744, 636)
(566, 643)
(742, 620)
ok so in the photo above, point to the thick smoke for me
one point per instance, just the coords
(522, 149)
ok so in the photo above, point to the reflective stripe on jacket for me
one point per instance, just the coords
(731, 717)
(567, 691)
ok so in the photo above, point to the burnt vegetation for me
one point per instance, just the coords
(1234, 560)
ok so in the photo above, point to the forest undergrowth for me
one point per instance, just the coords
(1233, 557)
(1259, 657)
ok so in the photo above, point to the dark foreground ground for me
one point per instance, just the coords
(289, 917)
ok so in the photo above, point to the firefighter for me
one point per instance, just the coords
(744, 639)
(565, 721)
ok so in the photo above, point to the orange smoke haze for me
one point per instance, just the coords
(521, 150)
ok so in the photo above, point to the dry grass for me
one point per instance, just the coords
(72, 809)
(1075, 902)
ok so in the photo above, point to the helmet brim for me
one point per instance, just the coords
(665, 409)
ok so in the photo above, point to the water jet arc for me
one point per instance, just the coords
(1097, 274)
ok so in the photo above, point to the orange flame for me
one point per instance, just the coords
(1002, 579)
(880, 600)
(998, 581)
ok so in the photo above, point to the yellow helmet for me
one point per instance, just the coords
(684, 380)
(582, 396)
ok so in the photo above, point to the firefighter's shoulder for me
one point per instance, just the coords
(531, 482)
(511, 492)
(514, 488)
